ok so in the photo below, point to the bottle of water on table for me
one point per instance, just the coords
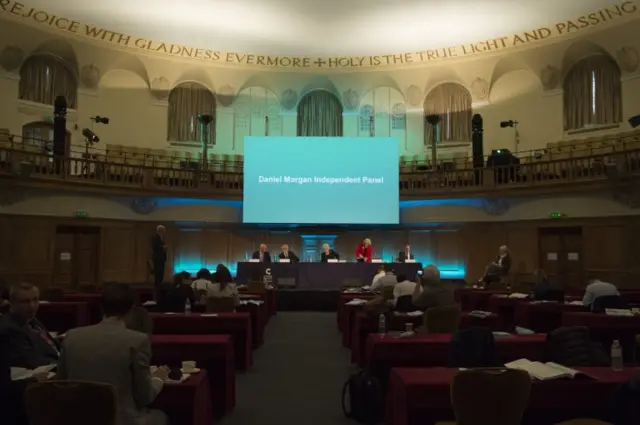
(382, 324)
(187, 306)
(617, 362)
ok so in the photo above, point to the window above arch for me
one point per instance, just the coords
(592, 94)
(186, 102)
(45, 77)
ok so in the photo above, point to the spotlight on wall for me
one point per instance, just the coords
(100, 120)
(205, 119)
(510, 123)
(634, 121)
(90, 136)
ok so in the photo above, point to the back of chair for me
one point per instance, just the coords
(387, 293)
(442, 320)
(490, 397)
(201, 294)
(256, 287)
(71, 403)
(472, 348)
(221, 304)
(600, 304)
(404, 304)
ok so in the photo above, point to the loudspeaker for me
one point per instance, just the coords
(477, 142)
(60, 126)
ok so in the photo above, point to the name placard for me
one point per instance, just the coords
(285, 260)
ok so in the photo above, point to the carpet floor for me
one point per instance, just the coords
(297, 375)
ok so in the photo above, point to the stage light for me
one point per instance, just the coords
(634, 121)
(205, 119)
(90, 136)
(510, 123)
(100, 120)
(516, 136)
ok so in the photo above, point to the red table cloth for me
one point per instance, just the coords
(60, 316)
(211, 352)
(543, 317)
(348, 315)
(258, 320)
(475, 299)
(422, 396)
(343, 299)
(238, 325)
(505, 308)
(269, 298)
(363, 325)
(187, 403)
(602, 321)
(94, 301)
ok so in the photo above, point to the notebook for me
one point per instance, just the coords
(543, 371)
(618, 312)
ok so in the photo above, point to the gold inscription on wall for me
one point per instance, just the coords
(40, 17)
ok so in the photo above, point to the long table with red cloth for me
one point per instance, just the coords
(343, 299)
(543, 317)
(348, 317)
(238, 325)
(60, 316)
(605, 329)
(269, 297)
(187, 403)
(423, 396)
(475, 299)
(259, 318)
(364, 325)
(211, 352)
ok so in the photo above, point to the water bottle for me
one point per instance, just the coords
(617, 363)
(187, 306)
(382, 324)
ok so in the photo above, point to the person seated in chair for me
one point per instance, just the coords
(405, 255)
(430, 292)
(545, 290)
(224, 286)
(328, 254)
(403, 291)
(497, 269)
(177, 295)
(388, 278)
(287, 254)
(597, 289)
(31, 345)
(203, 282)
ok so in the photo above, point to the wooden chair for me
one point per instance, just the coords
(442, 320)
(221, 304)
(71, 403)
(490, 397)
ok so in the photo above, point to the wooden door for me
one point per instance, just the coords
(76, 256)
(561, 255)
(86, 258)
(64, 256)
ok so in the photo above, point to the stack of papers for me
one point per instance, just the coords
(149, 303)
(479, 313)
(353, 291)
(18, 373)
(498, 334)
(256, 302)
(518, 295)
(618, 312)
(543, 371)
(577, 302)
(356, 301)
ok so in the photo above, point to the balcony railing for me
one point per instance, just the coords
(226, 180)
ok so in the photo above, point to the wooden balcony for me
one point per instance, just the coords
(96, 174)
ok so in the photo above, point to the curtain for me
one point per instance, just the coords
(43, 78)
(452, 102)
(592, 93)
(319, 114)
(186, 101)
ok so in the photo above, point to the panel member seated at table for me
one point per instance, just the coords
(430, 292)
(364, 252)
(288, 254)
(597, 289)
(177, 295)
(328, 254)
(224, 286)
(262, 254)
(31, 345)
(498, 268)
(405, 255)
(110, 353)
(387, 279)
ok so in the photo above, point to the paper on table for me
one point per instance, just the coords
(209, 315)
(356, 301)
(415, 313)
(149, 303)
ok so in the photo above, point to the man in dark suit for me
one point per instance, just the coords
(405, 255)
(287, 254)
(262, 254)
(30, 344)
(158, 255)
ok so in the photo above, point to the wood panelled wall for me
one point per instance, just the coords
(28, 246)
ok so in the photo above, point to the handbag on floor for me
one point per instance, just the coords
(363, 394)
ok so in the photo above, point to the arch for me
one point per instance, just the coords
(186, 102)
(592, 92)
(578, 51)
(387, 106)
(131, 63)
(320, 114)
(442, 75)
(198, 76)
(453, 103)
(60, 49)
(509, 64)
(373, 80)
(43, 77)
(259, 80)
(320, 83)
(256, 112)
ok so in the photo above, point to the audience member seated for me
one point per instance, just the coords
(177, 295)
(499, 268)
(544, 289)
(572, 346)
(430, 292)
(4, 296)
(596, 289)
(138, 319)
(262, 254)
(402, 294)
(601, 304)
(30, 343)
(224, 286)
(287, 254)
(473, 348)
(385, 277)
(109, 353)
(203, 282)
(328, 254)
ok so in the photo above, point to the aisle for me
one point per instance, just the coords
(297, 376)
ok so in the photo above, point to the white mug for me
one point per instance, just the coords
(188, 366)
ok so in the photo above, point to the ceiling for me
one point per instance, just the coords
(320, 27)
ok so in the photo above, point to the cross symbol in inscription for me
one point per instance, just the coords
(320, 63)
